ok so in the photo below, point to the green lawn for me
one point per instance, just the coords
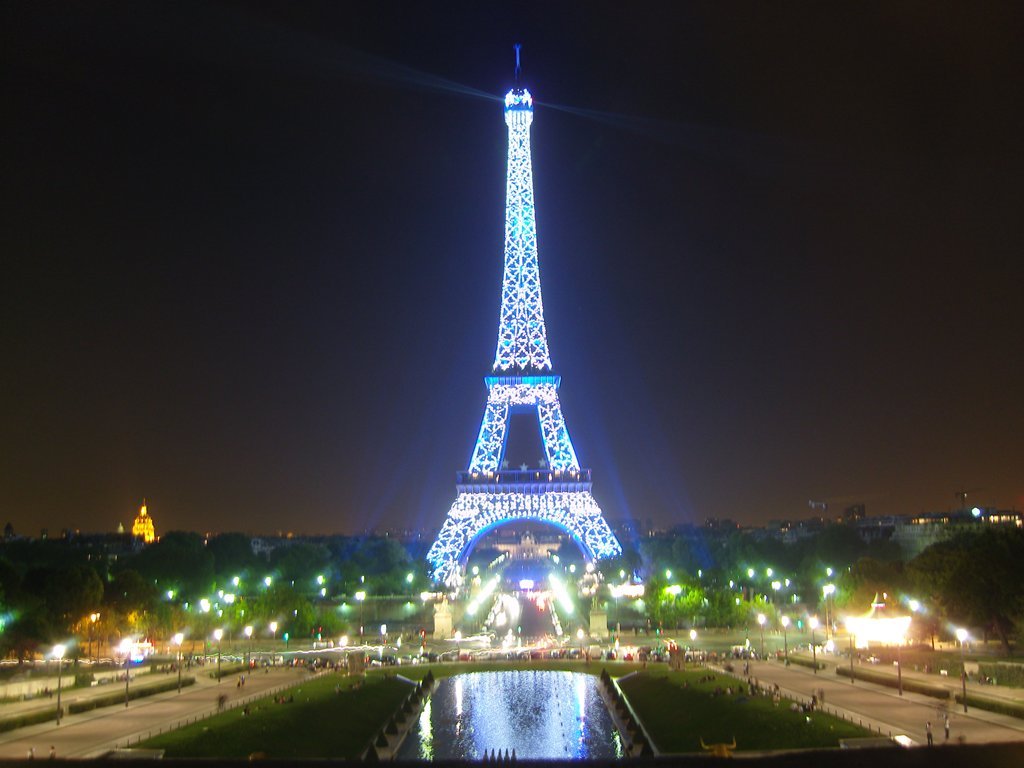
(319, 724)
(677, 718)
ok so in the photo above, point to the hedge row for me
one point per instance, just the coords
(809, 663)
(1012, 708)
(909, 684)
(133, 693)
(1011, 675)
(29, 718)
(228, 670)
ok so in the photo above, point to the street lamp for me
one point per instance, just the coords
(58, 654)
(360, 598)
(248, 658)
(785, 640)
(761, 620)
(273, 630)
(126, 649)
(813, 622)
(93, 618)
(178, 639)
(961, 635)
(218, 635)
(458, 645)
(828, 591)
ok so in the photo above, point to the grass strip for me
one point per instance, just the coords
(679, 709)
(329, 716)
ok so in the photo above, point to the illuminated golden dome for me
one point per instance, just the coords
(143, 525)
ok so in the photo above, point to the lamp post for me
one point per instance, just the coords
(248, 658)
(693, 643)
(828, 591)
(273, 630)
(961, 635)
(126, 649)
(813, 622)
(899, 665)
(58, 654)
(761, 620)
(218, 635)
(178, 639)
(458, 645)
(785, 639)
(360, 598)
(93, 618)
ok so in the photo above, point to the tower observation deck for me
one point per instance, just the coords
(558, 491)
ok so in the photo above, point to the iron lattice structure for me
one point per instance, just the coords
(559, 491)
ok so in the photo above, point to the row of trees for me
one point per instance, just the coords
(101, 590)
(972, 579)
(51, 590)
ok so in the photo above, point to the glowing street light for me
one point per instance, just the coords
(273, 630)
(458, 645)
(827, 592)
(58, 654)
(961, 635)
(218, 635)
(360, 597)
(761, 619)
(93, 618)
(785, 640)
(267, 581)
(248, 658)
(126, 649)
(813, 622)
(177, 640)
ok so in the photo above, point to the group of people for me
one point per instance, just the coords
(928, 729)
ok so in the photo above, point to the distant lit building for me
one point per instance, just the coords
(142, 528)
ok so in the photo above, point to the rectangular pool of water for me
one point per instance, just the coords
(539, 715)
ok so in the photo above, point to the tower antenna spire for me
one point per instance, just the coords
(519, 67)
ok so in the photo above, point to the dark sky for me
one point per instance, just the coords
(252, 256)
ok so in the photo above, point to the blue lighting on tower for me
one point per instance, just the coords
(558, 492)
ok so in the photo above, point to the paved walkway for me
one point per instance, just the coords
(882, 709)
(92, 733)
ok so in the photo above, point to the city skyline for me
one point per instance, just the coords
(257, 253)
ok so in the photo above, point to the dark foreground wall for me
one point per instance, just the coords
(981, 756)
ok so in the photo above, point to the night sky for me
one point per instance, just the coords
(252, 256)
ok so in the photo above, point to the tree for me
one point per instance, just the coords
(975, 578)
(866, 578)
(233, 555)
(179, 561)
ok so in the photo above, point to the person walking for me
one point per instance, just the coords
(928, 732)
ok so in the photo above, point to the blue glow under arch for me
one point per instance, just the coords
(474, 514)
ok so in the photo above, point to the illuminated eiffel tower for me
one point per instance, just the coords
(559, 491)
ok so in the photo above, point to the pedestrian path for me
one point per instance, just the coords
(91, 733)
(883, 709)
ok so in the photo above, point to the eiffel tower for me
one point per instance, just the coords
(558, 492)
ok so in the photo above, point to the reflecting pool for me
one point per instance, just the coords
(540, 715)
